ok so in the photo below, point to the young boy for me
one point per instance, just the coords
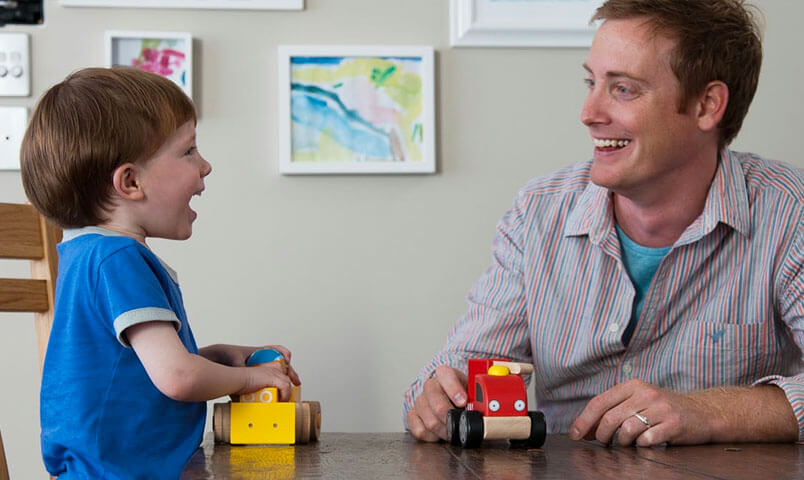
(110, 155)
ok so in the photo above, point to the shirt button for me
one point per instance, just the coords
(627, 368)
(614, 328)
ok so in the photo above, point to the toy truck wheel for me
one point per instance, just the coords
(453, 420)
(470, 428)
(538, 432)
(315, 420)
(220, 422)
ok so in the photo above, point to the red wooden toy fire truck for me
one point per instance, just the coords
(497, 407)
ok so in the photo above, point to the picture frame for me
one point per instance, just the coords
(522, 23)
(169, 54)
(194, 4)
(356, 109)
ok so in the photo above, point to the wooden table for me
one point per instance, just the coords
(397, 455)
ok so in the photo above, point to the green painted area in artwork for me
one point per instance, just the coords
(406, 90)
(403, 88)
(379, 76)
(417, 133)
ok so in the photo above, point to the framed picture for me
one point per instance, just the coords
(522, 23)
(169, 54)
(197, 4)
(356, 109)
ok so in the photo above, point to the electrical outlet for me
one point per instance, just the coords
(15, 64)
(13, 121)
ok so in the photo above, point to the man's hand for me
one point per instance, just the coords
(715, 415)
(672, 417)
(445, 390)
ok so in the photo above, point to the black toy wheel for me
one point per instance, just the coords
(453, 419)
(538, 432)
(470, 428)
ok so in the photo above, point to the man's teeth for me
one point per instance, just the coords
(601, 143)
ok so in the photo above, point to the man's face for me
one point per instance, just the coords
(643, 146)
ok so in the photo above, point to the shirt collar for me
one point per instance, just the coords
(72, 233)
(726, 202)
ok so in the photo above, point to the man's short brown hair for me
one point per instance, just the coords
(88, 125)
(717, 40)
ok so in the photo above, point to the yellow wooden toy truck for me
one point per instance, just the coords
(260, 418)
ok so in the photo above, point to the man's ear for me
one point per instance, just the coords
(126, 183)
(712, 105)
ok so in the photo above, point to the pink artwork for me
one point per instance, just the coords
(163, 62)
(169, 54)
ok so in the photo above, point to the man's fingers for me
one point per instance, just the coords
(432, 408)
(417, 428)
(592, 419)
(439, 395)
(453, 383)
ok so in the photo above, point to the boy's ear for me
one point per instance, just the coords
(126, 183)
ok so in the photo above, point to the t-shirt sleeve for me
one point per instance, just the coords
(129, 292)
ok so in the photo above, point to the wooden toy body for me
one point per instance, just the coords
(255, 423)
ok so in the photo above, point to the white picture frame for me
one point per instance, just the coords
(169, 54)
(522, 23)
(195, 4)
(356, 109)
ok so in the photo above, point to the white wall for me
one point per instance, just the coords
(360, 276)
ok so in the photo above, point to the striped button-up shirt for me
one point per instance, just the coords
(725, 307)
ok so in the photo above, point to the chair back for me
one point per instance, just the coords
(26, 235)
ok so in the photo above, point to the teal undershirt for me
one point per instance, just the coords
(641, 264)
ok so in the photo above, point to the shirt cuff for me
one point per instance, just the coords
(793, 388)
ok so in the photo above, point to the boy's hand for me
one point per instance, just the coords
(291, 372)
(236, 356)
(269, 375)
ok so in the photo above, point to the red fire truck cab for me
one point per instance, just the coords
(497, 407)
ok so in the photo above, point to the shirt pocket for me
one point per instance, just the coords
(702, 354)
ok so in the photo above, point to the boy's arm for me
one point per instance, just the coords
(183, 376)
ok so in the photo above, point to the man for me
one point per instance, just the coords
(657, 289)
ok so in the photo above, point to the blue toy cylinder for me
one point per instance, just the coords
(263, 355)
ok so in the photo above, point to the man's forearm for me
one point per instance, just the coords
(748, 414)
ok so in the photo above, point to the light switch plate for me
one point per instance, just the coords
(15, 64)
(13, 121)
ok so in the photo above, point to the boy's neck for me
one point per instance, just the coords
(124, 230)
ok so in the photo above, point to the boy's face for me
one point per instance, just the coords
(170, 179)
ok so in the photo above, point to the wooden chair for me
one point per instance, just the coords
(3, 464)
(26, 235)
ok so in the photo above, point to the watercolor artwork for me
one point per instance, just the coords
(164, 53)
(356, 110)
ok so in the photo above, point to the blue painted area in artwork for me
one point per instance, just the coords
(319, 111)
(315, 60)
(338, 60)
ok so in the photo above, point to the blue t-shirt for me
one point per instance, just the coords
(102, 417)
(641, 264)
